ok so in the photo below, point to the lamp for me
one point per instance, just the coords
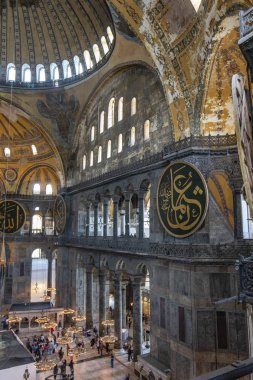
(109, 339)
(14, 319)
(79, 316)
(68, 311)
(49, 325)
(64, 340)
(45, 365)
(42, 318)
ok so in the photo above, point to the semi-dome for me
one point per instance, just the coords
(55, 43)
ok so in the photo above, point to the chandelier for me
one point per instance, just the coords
(42, 318)
(75, 329)
(14, 319)
(109, 339)
(68, 311)
(45, 365)
(108, 322)
(45, 297)
(49, 325)
(79, 316)
(53, 290)
(64, 340)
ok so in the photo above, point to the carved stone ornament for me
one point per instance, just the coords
(182, 199)
(59, 214)
(12, 216)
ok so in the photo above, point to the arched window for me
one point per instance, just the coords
(40, 73)
(146, 129)
(104, 44)
(133, 106)
(102, 122)
(111, 108)
(26, 73)
(78, 65)
(54, 71)
(39, 277)
(110, 34)
(91, 158)
(96, 53)
(120, 143)
(120, 109)
(132, 136)
(88, 60)
(109, 149)
(36, 224)
(36, 188)
(66, 69)
(100, 154)
(11, 72)
(49, 189)
(84, 161)
(92, 134)
(34, 150)
(7, 152)
(196, 4)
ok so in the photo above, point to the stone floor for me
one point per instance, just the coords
(100, 369)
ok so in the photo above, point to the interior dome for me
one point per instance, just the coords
(55, 43)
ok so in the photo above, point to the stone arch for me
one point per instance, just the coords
(120, 265)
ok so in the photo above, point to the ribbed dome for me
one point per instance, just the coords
(53, 42)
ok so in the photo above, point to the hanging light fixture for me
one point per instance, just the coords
(64, 340)
(13, 319)
(45, 365)
(42, 319)
(108, 322)
(49, 325)
(79, 316)
(75, 329)
(68, 311)
(111, 339)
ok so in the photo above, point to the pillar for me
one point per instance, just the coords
(123, 288)
(105, 217)
(238, 232)
(115, 218)
(141, 218)
(122, 223)
(89, 294)
(118, 310)
(102, 297)
(127, 217)
(49, 273)
(137, 318)
(96, 219)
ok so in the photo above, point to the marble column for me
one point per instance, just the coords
(118, 310)
(137, 317)
(89, 294)
(105, 217)
(127, 217)
(238, 229)
(87, 222)
(123, 288)
(141, 218)
(96, 219)
(122, 223)
(102, 297)
(49, 272)
(115, 218)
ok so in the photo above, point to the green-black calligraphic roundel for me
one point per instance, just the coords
(182, 199)
(59, 214)
(12, 216)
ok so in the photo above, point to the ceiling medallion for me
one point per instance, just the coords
(10, 175)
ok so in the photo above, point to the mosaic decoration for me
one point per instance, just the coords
(12, 216)
(59, 214)
(182, 199)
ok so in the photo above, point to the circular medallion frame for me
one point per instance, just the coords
(182, 199)
(10, 175)
(12, 216)
(60, 214)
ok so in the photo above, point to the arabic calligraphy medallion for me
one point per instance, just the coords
(59, 214)
(12, 216)
(182, 199)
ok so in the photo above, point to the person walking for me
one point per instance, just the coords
(112, 360)
(127, 377)
(55, 371)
